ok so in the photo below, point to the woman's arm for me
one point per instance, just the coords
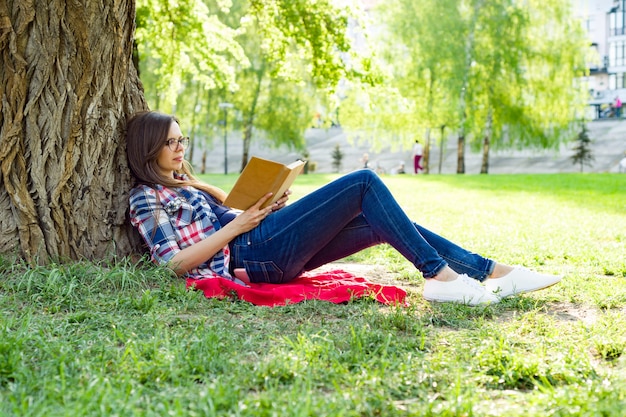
(196, 254)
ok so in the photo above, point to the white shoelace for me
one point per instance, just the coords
(471, 282)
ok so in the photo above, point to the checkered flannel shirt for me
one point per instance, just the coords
(174, 220)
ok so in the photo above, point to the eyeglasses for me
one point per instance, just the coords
(174, 143)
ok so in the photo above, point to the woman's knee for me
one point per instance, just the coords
(365, 175)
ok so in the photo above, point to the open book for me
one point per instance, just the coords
(260, 177)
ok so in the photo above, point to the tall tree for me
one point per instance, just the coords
(274, 95)
(294, 46)
(67, 82)
(518, 105)
(496, 74)
(189, 53)
(415, 43)
(472, 11)
(429, 69)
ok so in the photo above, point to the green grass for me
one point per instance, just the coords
(89, 339)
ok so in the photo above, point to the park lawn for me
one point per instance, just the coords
(87, 339)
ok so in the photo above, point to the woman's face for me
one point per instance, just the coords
(168, 160)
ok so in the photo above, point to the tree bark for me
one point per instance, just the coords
(460, 155)
(469, 48)
(442, 147)
(67, 84)
(426, 158)
(484, 168)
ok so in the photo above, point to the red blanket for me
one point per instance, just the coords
(334, 286)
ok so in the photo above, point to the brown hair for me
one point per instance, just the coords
(146, 134)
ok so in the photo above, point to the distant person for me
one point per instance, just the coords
(418, 151)
(365, 161)
(380, 169)
(399, 169)
(618, 107)
(622, 165)
(318, 120)
(605, 110)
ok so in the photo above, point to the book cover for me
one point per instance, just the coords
(259, 177)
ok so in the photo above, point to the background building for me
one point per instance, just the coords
(605, 23)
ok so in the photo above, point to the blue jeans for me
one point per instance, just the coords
(352, 213)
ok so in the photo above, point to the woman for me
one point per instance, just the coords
(417, 156)
(187, 228)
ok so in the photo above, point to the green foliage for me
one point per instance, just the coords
(129, 339)
(183, 39)
(284, 113)
(479, 66)
(337, 156)
(275, 105)
(303, 30)
(269, 58)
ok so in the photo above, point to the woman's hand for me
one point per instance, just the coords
(281, 202)
(252, 217)
(194, 255)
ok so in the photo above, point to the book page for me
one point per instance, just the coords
(295, 169)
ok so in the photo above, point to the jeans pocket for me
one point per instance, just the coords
(264, 271)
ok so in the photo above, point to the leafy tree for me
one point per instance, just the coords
(429, 69)
(290, 48)
(189, 63)
(513, 107)
(185, 41)
(274, 104)
(495, 73)
(286, 71)
(582, 150)
(480, 67)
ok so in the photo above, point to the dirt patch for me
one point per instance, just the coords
(574, 312)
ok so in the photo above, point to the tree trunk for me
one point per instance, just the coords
(194, 125)
(469, 47)
(247, 136)
(484, 168)
(443, 147)
(67, 83)
(460, 154)
(247, 139)
(426, 157)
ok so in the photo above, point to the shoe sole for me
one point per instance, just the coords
(457, 301)
(525, 291)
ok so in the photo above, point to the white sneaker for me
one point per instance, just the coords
(463, 290)
(520, 280)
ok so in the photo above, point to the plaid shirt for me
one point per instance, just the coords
(178, 218)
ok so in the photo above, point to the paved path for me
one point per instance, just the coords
(608, 147)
